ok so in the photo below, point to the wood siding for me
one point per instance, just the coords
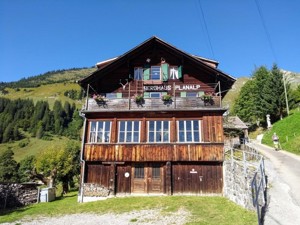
(153, 152)
(177, 178)
(197, 178)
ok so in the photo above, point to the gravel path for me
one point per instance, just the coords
(283, 171)
(143, 217)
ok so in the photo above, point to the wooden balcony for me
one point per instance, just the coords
(150, 104)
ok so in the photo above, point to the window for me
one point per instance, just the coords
(191, 94)
(188, 131)
(139, 171)
(138, 73)
(156, 171)
(174, 72)
(129, 131)
(113, 95)
(155, 73)
(158, 131)
(100, 131)
(154, 94)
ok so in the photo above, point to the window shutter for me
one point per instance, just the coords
(146, 72)
(146, 94)
(165, 71)
(179, 72)
(119, 95)
(200, 93)
(183, 94)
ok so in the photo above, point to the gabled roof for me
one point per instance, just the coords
(234, 122)
(209, 65)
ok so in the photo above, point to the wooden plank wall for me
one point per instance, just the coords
(197, 179)
(159, 153)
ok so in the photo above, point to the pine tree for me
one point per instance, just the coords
(8, 167)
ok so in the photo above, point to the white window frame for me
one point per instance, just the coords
(162, 132)
(192, 132)
(173, 73)
(95, 130)
(126, 131)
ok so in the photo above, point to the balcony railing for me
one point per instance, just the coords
(179, 103)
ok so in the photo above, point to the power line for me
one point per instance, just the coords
(206, 29)
(265, 29)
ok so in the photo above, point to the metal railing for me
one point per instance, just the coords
(252, 166)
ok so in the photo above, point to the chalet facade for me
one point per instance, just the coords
(153, 124)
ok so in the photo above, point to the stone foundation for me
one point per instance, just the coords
(95, 190)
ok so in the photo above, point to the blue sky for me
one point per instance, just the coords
(39, 36)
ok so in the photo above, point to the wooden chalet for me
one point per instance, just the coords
(153, 124)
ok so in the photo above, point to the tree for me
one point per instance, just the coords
(25, 169)
(8, 167)
(54, 165)
(262, 95)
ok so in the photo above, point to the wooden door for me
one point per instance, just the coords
(123, 180)
(148, 178)
(139, 178)
(155, 178)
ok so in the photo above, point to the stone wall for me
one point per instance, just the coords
(16, 195)
(95, 190)
(240, 170)
(237, 186)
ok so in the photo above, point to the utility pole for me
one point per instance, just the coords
(286, 99)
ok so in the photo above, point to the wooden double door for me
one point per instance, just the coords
(143, 178)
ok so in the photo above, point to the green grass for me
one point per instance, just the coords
(34, 146)
(203, 210)
(288, 131)
(49, 93)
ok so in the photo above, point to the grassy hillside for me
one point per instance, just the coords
(288, 131)
(48, 92)
(47, 87)
(32, 146)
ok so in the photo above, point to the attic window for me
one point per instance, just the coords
(155, 73)
(138, 73)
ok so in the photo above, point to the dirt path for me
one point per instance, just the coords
(143, 217)
(283, 171)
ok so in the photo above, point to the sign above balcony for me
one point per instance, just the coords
(182, 87)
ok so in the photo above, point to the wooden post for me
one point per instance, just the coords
(168, 180)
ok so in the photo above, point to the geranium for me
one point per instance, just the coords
(166, 97)
(138, 98)
(99, 98)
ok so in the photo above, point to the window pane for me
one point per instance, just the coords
(156, 171)
(121, 137)
(136, 125)
(196, 136)
(122, 126)
(151, 137)
(129, 137)
(129, 126)
(189, 136)
(136, 137)
(151, 125)
(188, 125)
(139, 172)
